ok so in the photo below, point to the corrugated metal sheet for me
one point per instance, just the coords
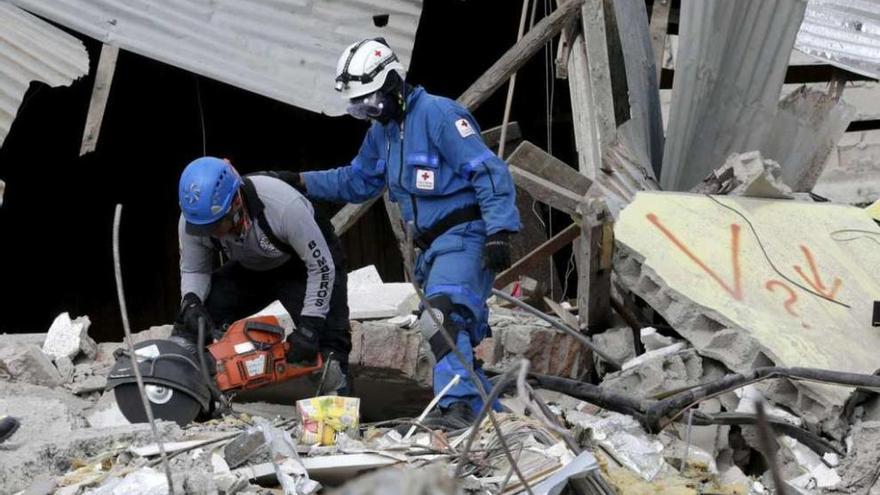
(846, 33)
(33, 50)
(731, 66)
(283, 49)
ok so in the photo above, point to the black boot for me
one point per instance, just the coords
(457, 416)
(8, 426)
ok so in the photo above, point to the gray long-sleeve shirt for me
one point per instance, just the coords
(292, 219)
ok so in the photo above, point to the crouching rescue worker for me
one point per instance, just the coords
(459, 195)
(277, 248)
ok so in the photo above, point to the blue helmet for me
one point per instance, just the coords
(206, 190)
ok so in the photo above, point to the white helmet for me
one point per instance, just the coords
(363, 67)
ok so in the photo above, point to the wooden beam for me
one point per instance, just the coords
(547, 191)
(100, 94)
(595, 250)
(492, 137)
(563, 314)
(659, 27)
(518, 55)
(592, 102)
(533, 159)
(392, 209)
(350, 214)
(538, 255)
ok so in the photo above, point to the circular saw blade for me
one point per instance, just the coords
(174, 405)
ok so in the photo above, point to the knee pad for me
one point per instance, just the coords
(442, 307)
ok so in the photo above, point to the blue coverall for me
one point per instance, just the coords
(446, 166)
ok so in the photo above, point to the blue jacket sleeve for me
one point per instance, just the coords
(457, 136)
(357, 182)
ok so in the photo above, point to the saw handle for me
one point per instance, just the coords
(262, 327)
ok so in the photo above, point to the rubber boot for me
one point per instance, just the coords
(8, 426)
(457, 416)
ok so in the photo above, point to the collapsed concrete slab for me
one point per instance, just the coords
(753, 282)
(68, 338)
(27, 363)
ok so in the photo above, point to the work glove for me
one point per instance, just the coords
(187, 323)
(496, 256)
(303, 340)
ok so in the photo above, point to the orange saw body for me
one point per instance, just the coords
(252, 353)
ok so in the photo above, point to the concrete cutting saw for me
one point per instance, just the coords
(181, 383)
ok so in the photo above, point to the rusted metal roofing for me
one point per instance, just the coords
(283, 49)
(845, 33)
(33, 50)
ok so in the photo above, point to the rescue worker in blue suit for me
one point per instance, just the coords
(459, 195)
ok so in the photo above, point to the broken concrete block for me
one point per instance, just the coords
(369, 298)
(746, 174)
(105, 413)
(379, 301)
(153, 333)
(617, 343)
(22, 338)
(655, 354)
(862, 458)
(68, 337)
(391, 352)
(65, 369)
(27, 363)
(700, 265)
(664, 373)
(89, 377)
(550, 352)
(653, 340)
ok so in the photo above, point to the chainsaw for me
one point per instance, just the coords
(181, 383)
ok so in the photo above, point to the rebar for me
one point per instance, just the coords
(135, 365)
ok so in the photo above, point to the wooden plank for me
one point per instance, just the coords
(519, 54)
(493, 136)
(592, 101)
(563, 50)
(539, 255)
(533, 159)
(392, 209)
(350, 214)
(659, 28)
(100, 94)
(546, 191)
(595, 250)
(563, 314)
(599, 72)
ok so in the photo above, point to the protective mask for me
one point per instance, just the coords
(372, 106)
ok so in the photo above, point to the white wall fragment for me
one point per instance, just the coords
(68, 337)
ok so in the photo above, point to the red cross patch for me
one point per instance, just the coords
(425, 179)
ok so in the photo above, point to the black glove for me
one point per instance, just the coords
(303, 340)
(496, 256)
(187, 323)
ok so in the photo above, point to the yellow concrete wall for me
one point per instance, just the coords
(710, 255)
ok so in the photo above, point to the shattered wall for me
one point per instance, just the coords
(795, 291)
